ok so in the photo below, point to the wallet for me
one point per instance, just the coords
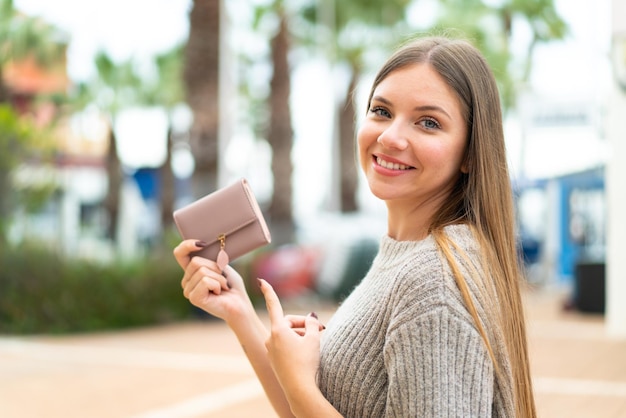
(229, 220)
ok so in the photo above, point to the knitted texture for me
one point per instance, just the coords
(403, 344)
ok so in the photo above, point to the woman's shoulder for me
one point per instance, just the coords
(463, 235)
(426, 283)
(427, 287)
(422, 262)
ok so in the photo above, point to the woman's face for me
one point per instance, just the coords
(413, 139)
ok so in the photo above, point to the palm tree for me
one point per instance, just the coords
(379, 23)
(490, 28)
(545, 24)
(269, 115)
(115, 86)
(118, 85)
(353, 28)
(167, 91)
(201, 78)
(123, 82)
(280, 133)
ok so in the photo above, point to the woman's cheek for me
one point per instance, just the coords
(363, 146)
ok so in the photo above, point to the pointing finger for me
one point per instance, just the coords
(274, 308)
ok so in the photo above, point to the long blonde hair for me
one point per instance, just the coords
(482, 198)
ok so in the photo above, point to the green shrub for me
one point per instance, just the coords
(41, 292)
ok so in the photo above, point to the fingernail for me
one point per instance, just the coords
(259, 282)
(201, 244)
(314, 315)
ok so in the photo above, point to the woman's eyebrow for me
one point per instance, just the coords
(432, 108)
(422, 108)
(380, 99)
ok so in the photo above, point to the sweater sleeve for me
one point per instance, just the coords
(438, 366)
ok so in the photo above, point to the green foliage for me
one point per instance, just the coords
(167, 88)
(120, 85)
(20, 139)
(14, 136)
(351, 29)
(22, 36)
(490, 28)
(41, 292)
(34, 197)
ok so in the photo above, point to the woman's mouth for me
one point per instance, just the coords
(391, 165)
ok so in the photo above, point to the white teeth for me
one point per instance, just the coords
(391, 166)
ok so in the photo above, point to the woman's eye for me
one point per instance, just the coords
(430, 123)
(379, 111)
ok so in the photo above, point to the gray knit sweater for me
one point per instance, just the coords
(404, 345)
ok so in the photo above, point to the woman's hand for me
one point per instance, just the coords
(222, 294)
(293, 346)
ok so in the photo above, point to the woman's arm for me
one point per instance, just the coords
(252, 334)
(450, 373)
(223, 294)
(294, 352)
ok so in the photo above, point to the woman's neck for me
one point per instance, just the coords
(407, 223)
(411, 219)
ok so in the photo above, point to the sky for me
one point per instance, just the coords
(143, 27)
(124, 28)
(572, 74)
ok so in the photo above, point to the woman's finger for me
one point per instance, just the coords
(201, 286)
(297, 322)
(274, 308)
(183, 251)
(312, 324)
(206, 268)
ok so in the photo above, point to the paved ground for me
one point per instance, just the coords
(197, 369)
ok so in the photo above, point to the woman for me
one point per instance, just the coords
(436, 328)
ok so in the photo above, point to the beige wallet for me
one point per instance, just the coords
(229, 219)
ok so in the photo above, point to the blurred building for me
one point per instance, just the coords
(38, 90)
(26, 80)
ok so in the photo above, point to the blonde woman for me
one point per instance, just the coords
(436, 327)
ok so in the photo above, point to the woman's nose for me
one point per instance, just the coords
(394, 136)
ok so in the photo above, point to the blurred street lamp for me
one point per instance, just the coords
(618, 59)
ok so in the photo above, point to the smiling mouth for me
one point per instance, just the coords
(392, 166)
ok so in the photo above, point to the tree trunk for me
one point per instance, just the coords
(347, 150)
(115, 177)
(167, 195)
(201, 77)
(280, 138)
